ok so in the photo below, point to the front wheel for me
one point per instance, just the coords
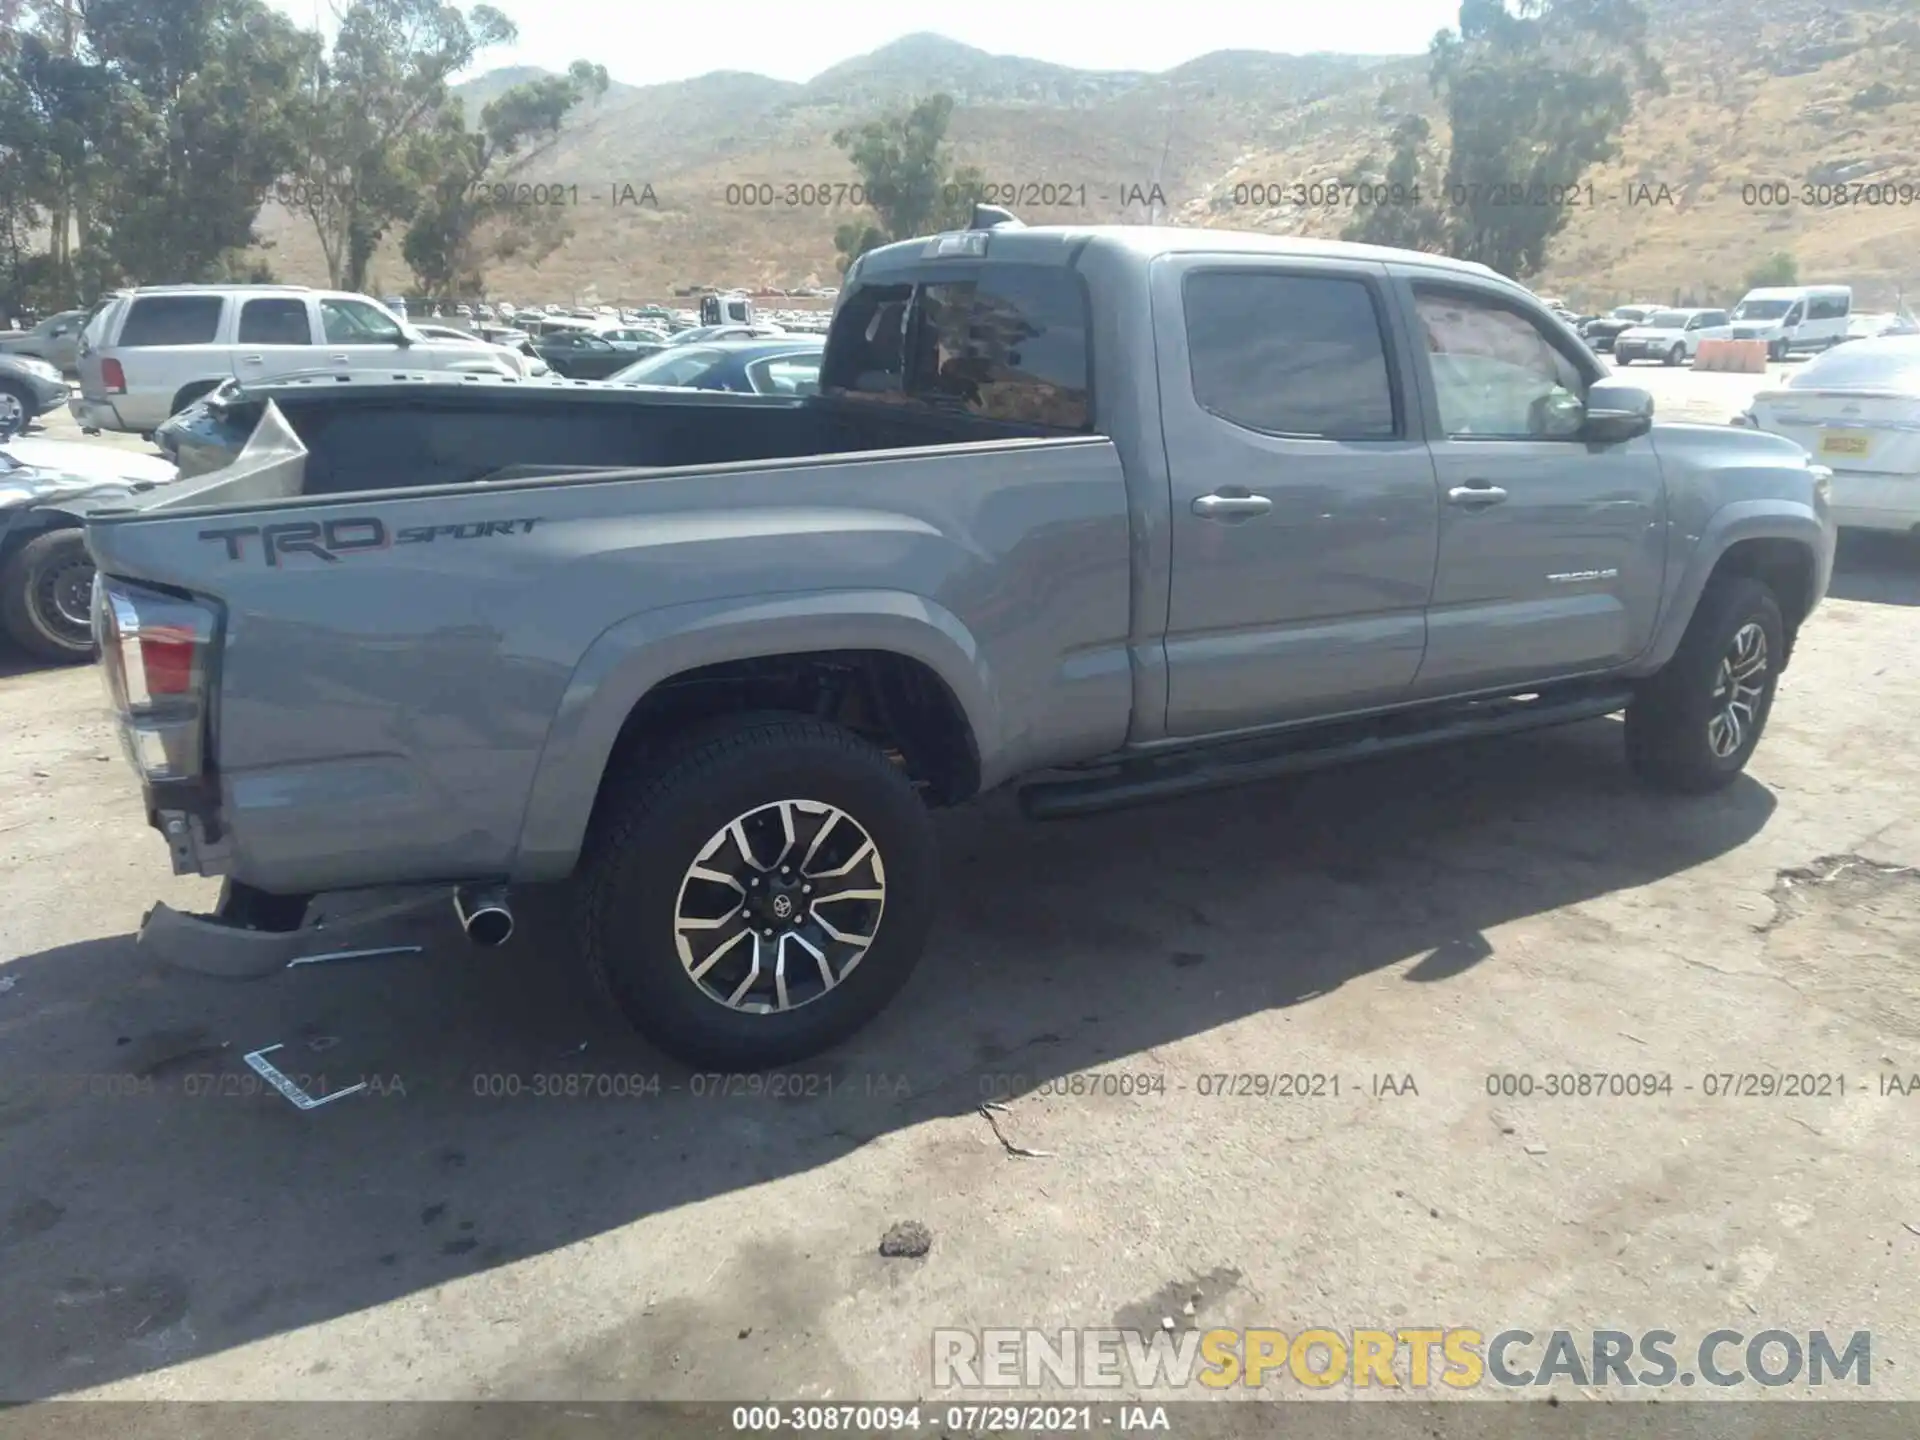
(46, 597)
(1677, 354)
(1695, 724)
(1777, 351)
(758, 895)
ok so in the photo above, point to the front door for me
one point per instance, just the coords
(360, 336)
(1304, 517)
(1552, 549)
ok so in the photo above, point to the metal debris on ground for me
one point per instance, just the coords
(257, 1061)
(987, 1110)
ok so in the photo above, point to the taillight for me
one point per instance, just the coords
(154, 654)
(113, 377)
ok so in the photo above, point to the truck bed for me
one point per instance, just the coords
(413, 433)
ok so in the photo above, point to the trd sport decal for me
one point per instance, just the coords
(330, 539)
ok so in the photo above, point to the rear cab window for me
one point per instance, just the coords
(1005, 342)
(171, 320)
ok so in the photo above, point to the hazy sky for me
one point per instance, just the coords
(642, 43)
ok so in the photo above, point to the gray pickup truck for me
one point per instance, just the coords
(1110, 514)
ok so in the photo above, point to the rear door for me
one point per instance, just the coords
(1304, 510)
(166, 345)
(1552, 550)
(275, 335)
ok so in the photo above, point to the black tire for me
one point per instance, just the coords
(652, 826)
(1668, 740)
(19, 396)
(188, 394)
(1677, 353)
(1777, 351)
(34, 589)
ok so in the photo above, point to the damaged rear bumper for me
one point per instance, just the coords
(350, 925)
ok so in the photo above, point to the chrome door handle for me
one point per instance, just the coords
(340, 358)
(250, 359)
(1231, 507)
(1476, 495)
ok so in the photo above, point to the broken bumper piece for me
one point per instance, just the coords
(338, 927)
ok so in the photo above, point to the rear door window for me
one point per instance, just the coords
(171, 320)
(1004, 342)
(278, 321)
(1290, 354)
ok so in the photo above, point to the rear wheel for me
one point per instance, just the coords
(1695, 724)
(16, 409)
(760, 894)
(46, 596)
(188, 394)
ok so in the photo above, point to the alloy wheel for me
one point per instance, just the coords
(779, 906)
(1737, 689)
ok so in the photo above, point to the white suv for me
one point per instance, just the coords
(1670, 336)
(149, 353)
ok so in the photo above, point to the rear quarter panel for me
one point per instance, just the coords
(444, 708)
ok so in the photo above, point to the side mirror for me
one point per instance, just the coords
(1615, 413)
(1557, 415)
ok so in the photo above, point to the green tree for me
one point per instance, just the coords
(469, 216)
(1536, 96)
(202, 118)
(907, 172)
(1536, 93)
(378, 102)
(1397, 207)
(146, 132)
(1777, 269)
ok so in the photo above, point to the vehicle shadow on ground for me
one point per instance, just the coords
(155, 1205)
(1877, 568)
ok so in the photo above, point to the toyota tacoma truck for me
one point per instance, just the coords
(1105, 514)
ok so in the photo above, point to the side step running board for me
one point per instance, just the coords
(1219, 767)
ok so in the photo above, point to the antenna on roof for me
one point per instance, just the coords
(992, 217)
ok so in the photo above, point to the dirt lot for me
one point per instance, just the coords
(1514, 907)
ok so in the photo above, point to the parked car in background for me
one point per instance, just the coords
(1794, 317)
(1873, 325)
(1601, 331)
(701, 334)
(524, 361)
(154, 351)
(588, 354)
(1671, 336)
(1856, 410)
(55, 339)
(46, 574)
(787, 365)
(29, 388)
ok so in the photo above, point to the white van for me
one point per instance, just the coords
(1794, 317)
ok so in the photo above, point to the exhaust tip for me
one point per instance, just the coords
(490, 926)
(484, 915)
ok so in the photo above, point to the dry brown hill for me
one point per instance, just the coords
(747, 186)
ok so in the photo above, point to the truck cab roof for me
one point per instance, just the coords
(1060, 244)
